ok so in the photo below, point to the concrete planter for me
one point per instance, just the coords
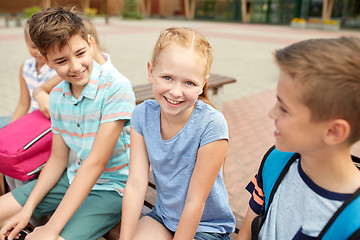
(298, 24)
(331, 27)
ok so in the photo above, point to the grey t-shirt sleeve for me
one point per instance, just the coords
(216, 129)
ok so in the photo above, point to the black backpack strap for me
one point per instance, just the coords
(355, 236)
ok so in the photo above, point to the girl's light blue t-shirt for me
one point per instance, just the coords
(173, 162)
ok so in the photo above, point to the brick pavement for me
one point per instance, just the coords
(250, 135)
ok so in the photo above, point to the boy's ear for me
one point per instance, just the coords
(48, 63)
(338, 132)
(150, 72)
(90, 40)
(91, 43)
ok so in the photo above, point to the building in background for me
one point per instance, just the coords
(346, 12)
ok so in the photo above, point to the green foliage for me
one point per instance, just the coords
(131, 10)
(31, 10)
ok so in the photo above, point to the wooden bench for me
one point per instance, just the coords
(144, 92)
(150, 199)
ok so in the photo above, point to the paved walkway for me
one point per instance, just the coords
(243, 51)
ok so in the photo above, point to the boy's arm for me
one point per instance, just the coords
(24, 99)
(49, 176)
(245, 230)
(208, 164)
(84, 180)
(41, 94)
(136, 185)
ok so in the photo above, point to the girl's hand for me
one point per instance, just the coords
(42, 99)
(42, 233)
(14, 225)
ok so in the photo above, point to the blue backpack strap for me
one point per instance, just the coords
(274, 166)
(346, 220)
(345, 223)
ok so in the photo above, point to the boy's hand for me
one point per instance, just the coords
(14, 225)
(42, 99)
(42, 232)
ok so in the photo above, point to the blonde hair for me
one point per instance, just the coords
(328, 71)
(90, 29)
(53, 27)
(26, 28)
(190, 39)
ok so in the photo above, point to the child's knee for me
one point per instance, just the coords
(150, 229)
(8, 207)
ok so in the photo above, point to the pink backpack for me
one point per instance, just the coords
(25, 146)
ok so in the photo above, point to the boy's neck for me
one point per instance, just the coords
(76, 91)
(332, 169)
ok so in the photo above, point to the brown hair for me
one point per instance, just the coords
(187, 38)
(328, 71)
(54, 27)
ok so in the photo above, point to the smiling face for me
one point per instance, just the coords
(295, 131)
(178, 78)
(73, 62)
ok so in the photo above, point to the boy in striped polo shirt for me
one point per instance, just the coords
(90, 113)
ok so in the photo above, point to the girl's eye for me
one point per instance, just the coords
(167, 77)
(189, 83)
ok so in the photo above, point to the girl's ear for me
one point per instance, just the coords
(205, 82)
(150, 72)
(338, 132)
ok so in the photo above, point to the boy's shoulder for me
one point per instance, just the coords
(110, 73)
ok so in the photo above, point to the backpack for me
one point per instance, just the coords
(344, 224)
(25, 146)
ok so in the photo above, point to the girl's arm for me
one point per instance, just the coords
(245, 231)
(24, 99)
(49, 176)
(136, 186)
(85, 178)
(208, 164)
(41, 94)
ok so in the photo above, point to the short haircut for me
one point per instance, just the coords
(328, 73)
(53, 27)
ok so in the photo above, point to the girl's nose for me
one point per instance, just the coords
(176, 90)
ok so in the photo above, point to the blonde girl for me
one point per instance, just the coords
(184, 140)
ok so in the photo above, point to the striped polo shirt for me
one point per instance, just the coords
(108, 96)
(33, 79)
